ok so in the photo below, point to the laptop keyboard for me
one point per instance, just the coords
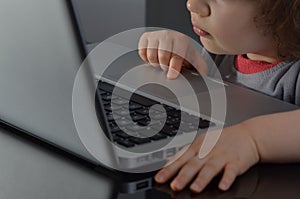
(138, 112)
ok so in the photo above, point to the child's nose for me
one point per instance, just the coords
(199, 7)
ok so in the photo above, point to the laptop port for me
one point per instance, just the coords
(142, 185)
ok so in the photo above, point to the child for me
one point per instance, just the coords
(261, 40)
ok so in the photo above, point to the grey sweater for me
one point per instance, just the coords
(282, 81)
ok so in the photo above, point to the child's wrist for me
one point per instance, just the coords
(249, 127)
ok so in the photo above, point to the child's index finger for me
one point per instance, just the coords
(175, 67)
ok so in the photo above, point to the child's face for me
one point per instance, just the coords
(228, 27)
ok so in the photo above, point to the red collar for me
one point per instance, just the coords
(247, 66)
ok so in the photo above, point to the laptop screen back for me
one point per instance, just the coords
(40, 54)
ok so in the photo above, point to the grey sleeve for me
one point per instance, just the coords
(282, 81)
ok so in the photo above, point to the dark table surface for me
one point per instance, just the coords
(30, 170)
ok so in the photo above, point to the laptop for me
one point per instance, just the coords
(41, 53)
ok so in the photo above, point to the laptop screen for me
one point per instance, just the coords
(40, 55)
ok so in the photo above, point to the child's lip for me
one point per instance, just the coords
(200, 31)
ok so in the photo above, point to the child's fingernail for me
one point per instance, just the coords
(164, 68)
(177, 185)
(196, 187)
(159, 178)
(172, 74)
(224, 186)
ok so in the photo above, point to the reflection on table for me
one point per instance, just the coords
(30, 170)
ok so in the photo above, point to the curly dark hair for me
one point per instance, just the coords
(281, 18)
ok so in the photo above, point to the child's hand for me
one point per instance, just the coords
(234, 153)
(171, 50)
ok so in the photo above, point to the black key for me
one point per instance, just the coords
(123, 122)
(146, 132)
(139, 140)
(102, 92)
(119, 101)
(175, 113)
(122, 134)
(142, 111)
(158, 136)
(203, 124)
(137, 117)
(169, 131)
(169, 108)
(122, 112)
(125, 143)
(158, 115)
(115, 138)
(114, 129)
(188, 127)
(106, 87)
(172, 121)
(108, 97)
(111, 108)
(143, 100)
(135, 128)
(144, 122)
(105, 103)
(111, 117)
(112, 124)
(134, 106)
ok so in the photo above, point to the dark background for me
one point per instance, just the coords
(101, 19)
(171, 14)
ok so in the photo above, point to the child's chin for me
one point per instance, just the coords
(214, 51)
